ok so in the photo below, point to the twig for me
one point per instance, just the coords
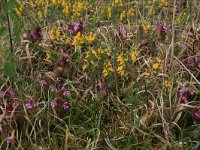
(10, 34)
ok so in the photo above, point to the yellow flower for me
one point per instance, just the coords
(105, 72)
(90, 38)
(109, 11)
(146, 27)
(163, 3)
(66, 10)
(40, 14)
(130, 12)
(78, 40)
(122, 15)
(155, 66)
(107, 68)
(48, 55)
(120, 59)
(134, 55)
(147, 74)
(167, 83)
(120, 70)
(32, 5)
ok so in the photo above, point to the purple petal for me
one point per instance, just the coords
(9, 140)
(53, 104)
(29, 105)
(196, 114)
(66, 93)
(65, 105)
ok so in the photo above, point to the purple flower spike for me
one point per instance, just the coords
(9, 140)
(29, 105)
(65, 105)
(53, 104)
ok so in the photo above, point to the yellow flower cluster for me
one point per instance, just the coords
(147, 74)
(117, 3)
(163, 3)
(107, 68)
(146, 27)
(120, 61)
(167, 84)
(79, 7)
(109, 11)
(79, 39)
(134, 55)
(55, 33)
(92, 56)
(157, 65)
(48, 55)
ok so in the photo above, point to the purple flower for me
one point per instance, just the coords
(11, 92)
(24, 36)
(162, 27)
(15, 104)
(185, 99)
(185, 94)
(65, 105)
(99, 83)
(104, 90)
(66, 93)
(43, 82)
(9, 140)
(192, 63)
(36, 34)
(77, 27)
(52, 88)
(53, 104)
(29, 105)
(196, 114)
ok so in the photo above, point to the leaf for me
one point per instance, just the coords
(17, 33)
(10, 69)
(8, 6)
(2, 31)
(14, 17)
(10, 66)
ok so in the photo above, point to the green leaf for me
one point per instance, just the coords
(17, 33)
(2, 31)
(14, 17)
(8, 6)
(10, 66)
(10, 69)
